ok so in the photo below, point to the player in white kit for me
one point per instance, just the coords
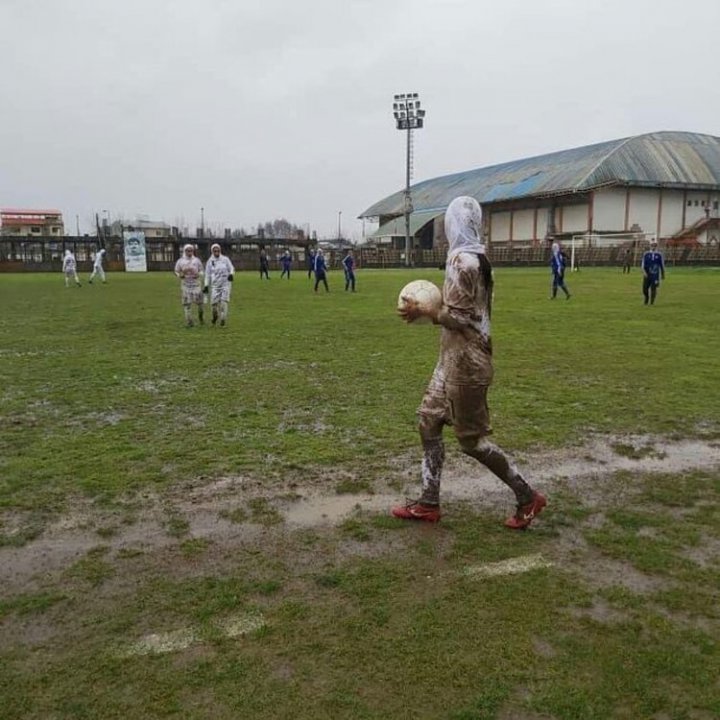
(219, 272)
(69, 269)
(189, 269)
(97, 265)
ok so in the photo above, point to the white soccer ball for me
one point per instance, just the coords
(426, 294)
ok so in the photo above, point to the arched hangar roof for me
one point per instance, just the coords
(669, 159)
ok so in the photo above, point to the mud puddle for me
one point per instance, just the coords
(204, 510)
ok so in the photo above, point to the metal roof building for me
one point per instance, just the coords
(655, 181)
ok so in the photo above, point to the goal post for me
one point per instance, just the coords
(637, 240)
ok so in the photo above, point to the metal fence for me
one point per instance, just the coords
(21, 254)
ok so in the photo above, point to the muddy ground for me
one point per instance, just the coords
(215, 511)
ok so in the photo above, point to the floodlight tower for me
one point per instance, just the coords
(408, 117)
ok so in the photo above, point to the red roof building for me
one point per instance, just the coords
(38, 223)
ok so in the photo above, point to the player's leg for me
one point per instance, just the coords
(67, 280)
(471, 422)
(352, 282)
(646, 289)
(564, 288)
(76, 278)
(432, 417)
(102, 274)
(327, 289)
(653, 291)
(553, 292)
(200, 308)
(187, 311)
(215, 298)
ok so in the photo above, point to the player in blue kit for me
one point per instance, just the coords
(653, 268)
(557, 265)
(348, 263)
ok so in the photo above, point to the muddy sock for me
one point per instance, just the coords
(495, 460)
(432, 464)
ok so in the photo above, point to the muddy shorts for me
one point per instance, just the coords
(462, 406)
(220, 293)
(192, 296)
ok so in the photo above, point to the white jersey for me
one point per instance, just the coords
(99, 259)
(69, 264)
(217, 270)
(189, 269)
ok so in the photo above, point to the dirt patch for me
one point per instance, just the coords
(202, 509)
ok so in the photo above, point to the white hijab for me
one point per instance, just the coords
(463, 227)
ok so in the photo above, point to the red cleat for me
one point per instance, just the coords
(416, 510)
(525, 514)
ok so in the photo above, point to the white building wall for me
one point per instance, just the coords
(575, 218)
(671, 215)
(695, 208)
(499, 227)
(643, 209)
(523, 224)
(609, 210)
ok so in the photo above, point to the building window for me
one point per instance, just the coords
(702, 202)
(34, 229)
(55, 231)
(715, 205)
(696, 203)
(689, 203)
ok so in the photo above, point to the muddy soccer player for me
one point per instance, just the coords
(189, 269)
(69, 269)
(457, 392)
(219, 273)
(98, 266)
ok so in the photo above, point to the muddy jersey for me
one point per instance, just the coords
(69, 264)
(217, 270)
(465, 345)
(189, 269)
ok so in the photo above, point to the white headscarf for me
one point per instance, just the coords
(68, 253)
(555, 248)
(463, 227)
(215, 245)
(188, 247)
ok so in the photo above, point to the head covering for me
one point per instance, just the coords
(67, 252)
(463, 227)
(555, 248)
(188, 247)
(215, 245)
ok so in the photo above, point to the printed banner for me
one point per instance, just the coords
(135, 259)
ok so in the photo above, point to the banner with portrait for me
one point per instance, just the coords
(135, 257)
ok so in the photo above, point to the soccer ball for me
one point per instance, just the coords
(426, 294)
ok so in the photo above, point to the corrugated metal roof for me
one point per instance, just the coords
(396, 226)
(670, 159)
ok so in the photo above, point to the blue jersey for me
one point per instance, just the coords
(286, 260)
(557, 263)
(320, 266)
(348, 263)
(653, 265)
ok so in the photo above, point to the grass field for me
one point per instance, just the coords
(148, 471)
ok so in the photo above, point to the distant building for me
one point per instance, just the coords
(663, 184)
(32, 223)
(151, 228)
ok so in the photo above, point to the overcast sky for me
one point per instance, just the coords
(260, 109)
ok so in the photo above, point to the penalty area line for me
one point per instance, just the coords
(511, 566)
(174, 640)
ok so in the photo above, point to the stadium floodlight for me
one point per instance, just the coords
(409, 116)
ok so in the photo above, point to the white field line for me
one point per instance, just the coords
(511, 566)
(239, 625)
(174, 640)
